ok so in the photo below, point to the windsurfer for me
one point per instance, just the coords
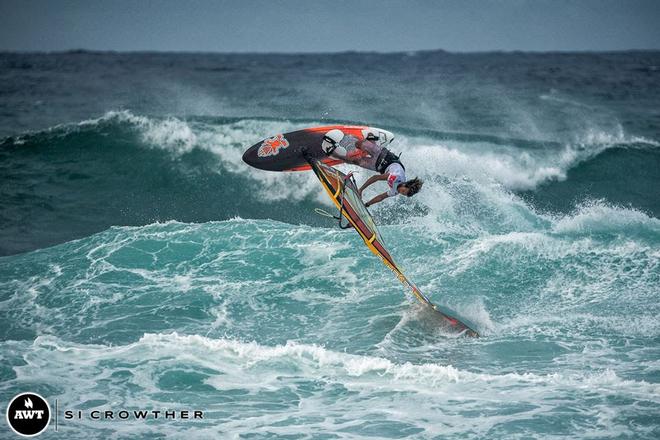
(368, 154)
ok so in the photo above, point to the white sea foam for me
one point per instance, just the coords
(518, 247)
(598, 216)
(486, 163)
(233, 356)
(610, 138)
(255, 388)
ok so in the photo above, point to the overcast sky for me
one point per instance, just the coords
(334, 25)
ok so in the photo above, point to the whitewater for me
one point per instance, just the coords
(144, 266)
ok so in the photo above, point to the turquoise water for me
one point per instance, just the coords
(146, 267)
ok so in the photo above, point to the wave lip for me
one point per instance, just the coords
(600, 217)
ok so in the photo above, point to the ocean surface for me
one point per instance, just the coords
(144, 266)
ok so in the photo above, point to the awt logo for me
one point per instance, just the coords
(28, 414)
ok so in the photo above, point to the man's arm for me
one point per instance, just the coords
(371, 180)
(378, 198)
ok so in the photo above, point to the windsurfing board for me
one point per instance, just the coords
(283, 152)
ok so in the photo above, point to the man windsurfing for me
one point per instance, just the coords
(370, 154)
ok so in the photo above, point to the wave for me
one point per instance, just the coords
(601, 217)
(215, 134)
(325, 389)
(308, 360)
(156, 169)
(494, 160)
(327, 282)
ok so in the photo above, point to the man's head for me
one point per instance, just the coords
(410, 187)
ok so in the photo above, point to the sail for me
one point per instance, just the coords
(344, 193)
